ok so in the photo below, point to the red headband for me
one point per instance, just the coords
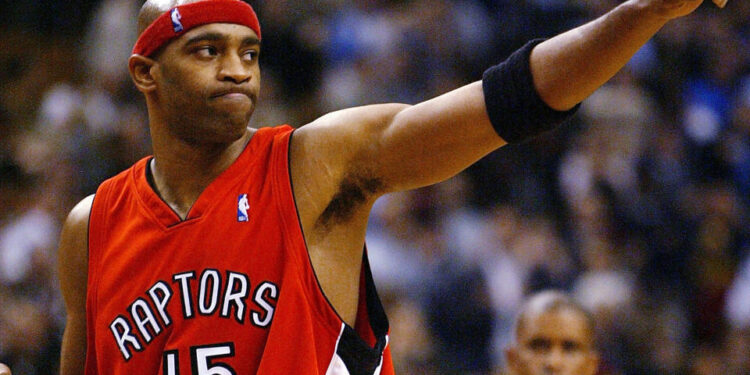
(180, 19)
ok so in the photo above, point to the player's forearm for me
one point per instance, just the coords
(571, 66)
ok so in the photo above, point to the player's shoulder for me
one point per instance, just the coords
(73, 249)
(80, 213)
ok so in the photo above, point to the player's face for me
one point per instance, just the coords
(554, 343)
(208, 82)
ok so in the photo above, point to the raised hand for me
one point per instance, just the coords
(670, 9)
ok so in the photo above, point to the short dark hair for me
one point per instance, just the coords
(551, 301)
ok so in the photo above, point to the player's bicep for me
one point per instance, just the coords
(436, 139)
(372, 150)
(73, 274)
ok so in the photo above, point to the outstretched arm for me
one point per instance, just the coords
(571, 66)
(404, 147)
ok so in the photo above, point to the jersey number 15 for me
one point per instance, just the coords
(203, 360)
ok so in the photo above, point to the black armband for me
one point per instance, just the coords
(514, 107)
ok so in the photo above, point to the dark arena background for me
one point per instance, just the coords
(638, 208)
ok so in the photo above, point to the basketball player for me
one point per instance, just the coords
(240, 251)
(553, 335)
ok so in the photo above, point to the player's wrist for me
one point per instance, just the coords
(662, 11)
(648, 11)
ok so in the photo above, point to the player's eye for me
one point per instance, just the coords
(540, 345)
(206, 51)
(570, 346)
(250, 55)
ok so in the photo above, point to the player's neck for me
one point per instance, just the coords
(181, 171)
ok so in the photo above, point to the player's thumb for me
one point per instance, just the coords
(4, 370)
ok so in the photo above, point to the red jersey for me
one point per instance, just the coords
(228, 290)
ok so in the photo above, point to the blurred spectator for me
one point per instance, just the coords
(458, 309)
(31, 342)
(553, 335)
(27, 230)
(737, 305)
(412, 344)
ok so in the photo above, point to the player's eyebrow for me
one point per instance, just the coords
(207, 36)
(250, 41)
(211, 36)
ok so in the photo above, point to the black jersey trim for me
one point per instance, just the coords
(357, 355)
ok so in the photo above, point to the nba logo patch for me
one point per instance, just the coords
(242, 207)
(176, 17)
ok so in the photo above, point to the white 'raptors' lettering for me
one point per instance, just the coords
(263, 293)
(187, 304)
(121, 330)
(148, 315)
(161, 301)
(209, 277)
(236, 297)
(142, 315)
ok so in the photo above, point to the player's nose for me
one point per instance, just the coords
(234, 69)
(554, 361)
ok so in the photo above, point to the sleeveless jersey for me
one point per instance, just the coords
(228, 290)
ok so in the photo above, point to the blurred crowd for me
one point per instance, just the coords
(638, 207)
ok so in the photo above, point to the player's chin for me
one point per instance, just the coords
(237, 121)
(236, 111)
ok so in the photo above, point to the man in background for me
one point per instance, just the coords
(553, 335)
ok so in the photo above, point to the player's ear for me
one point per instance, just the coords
(140, 68)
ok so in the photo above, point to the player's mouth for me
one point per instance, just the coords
(233, 94)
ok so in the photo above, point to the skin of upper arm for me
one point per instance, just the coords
(73, 271)
(402, 146)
